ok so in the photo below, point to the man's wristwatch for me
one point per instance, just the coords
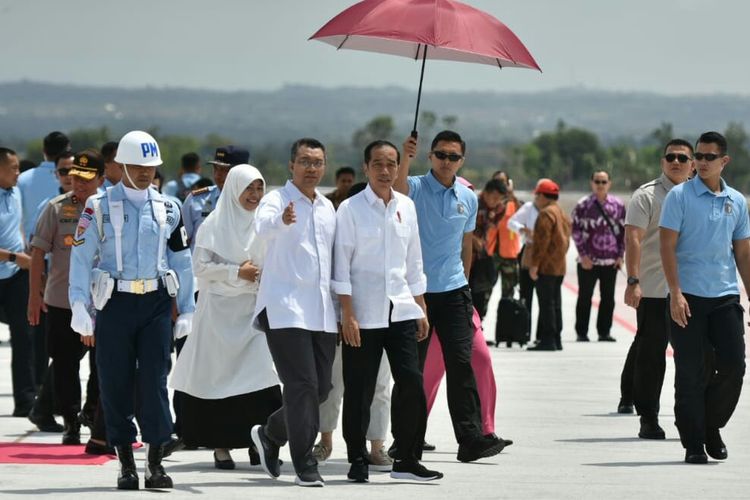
(11, 256)
(633, 280)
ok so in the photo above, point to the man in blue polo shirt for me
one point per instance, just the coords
(705, 240)
(446, 214)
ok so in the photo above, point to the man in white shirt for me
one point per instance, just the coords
(295, 309)
(380, 283)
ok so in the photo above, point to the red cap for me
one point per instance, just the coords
(547, 186)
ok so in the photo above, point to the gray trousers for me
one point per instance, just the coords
(303, 360)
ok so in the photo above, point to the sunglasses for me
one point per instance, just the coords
(62, 172)
(670, 157)
(452, 157)
(600, 182)
(707, 156)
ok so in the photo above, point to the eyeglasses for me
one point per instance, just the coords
(670, 157)
(600, 182)
(707, 156)
(452, 157)
(307, 163)
(63, 172)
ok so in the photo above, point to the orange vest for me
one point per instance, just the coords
(501, 240)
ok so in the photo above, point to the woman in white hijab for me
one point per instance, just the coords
(225, 368)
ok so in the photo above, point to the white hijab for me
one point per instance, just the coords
(228, 230)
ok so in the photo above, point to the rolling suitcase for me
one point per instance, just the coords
(512, 323)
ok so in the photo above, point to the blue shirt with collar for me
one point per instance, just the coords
(140, 247)
(172, 188)
(444, 215)
(11, 236)
(708, 223)
(36, 185)
(196, 208)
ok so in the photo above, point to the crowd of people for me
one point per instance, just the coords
(283, 305)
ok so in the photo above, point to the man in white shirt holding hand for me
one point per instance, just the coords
(380, 283)
(295, 309)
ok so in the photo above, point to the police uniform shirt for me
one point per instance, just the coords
(196, 208)
(141, 237)
(54, 234)
(11, 235)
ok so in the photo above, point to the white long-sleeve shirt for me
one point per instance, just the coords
(524, 218)
(295, 287)
(378, 258)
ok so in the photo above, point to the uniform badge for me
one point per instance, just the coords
(460, 208)
(84, 221)
(68, 240)
(728, 207)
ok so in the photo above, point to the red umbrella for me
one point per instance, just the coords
(434, 29)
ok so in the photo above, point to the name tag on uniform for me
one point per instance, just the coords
(460, 208)
(728, 207)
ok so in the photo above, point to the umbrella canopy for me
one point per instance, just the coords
(426, 29)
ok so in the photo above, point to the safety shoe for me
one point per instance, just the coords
(413, 470)
(379, 460)
(358, 472)
(128, 477)
(268, 451)
(156, 477)
(321, 453)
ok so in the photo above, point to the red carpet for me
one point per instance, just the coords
(46, 453)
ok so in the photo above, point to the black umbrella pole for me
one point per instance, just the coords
(419, 94)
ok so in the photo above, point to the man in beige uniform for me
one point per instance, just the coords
(54, 234)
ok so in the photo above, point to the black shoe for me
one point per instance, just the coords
(425, 447)
(227, 464)
(696, 456)
(86, 419)
(267, 451)
(625, 407)
(309, 477)
(174, 444)
(93, 448)
(359, 472)
(413, 470)
(22, 412)
(128, 477)
(483, 447)
(156, 477)
(506, 442)
(46, 423)
(558, 346)
(582, 338)
(607, 338)
(715, 447)
(542, 347)
(72, 432)
(650, 429)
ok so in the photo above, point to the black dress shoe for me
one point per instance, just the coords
(483, 447)
(93, 448)
(174, 444)
(582, 338)
(359, 472)
(697, 456)
(625, 407)
(650, 429)
(86, 419)
(542, 347)
(72, 432)
(427, 447)
(46, 423)
(715, 447)
(227, 464)
(607, 338)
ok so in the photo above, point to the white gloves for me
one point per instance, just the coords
(184, 325)
(81, 321)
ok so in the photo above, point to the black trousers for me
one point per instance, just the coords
(14, 295)
(706, 400)
(178, 396)
(606, 276)
(408, 404)
(450, 314)
(92, 385)
(526, 287)
(549, 324)
(67, 350)
(304, 362)
(643, 374)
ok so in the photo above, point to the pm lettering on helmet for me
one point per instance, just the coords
(149, 149)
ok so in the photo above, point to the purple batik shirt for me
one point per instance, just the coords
(593, 236)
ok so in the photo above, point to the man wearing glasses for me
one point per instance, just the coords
(705, 241)
(447, 213)
(643, 373)
(599, 235)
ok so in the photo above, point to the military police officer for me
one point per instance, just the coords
(143, 261)
(202, 202)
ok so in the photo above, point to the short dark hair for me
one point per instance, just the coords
(554, 197)
(600, 171)
(26, 164)
(190, 162)
(202, 182)
(6, 153)
(379, 144)
(679, 142)
(356, 188)
(306, 141)
(346, 169)
(62, 156)
(56, 143)
(713, 138)
(448, 136)
(109, 151)
(495, 185)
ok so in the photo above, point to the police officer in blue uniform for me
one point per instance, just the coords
(143, 261)
(201, 202)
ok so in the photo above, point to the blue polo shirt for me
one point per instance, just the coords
(708, 223)
(36, 185)
(11, 237)
(444, 216)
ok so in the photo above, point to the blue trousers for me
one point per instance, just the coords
(133, 340)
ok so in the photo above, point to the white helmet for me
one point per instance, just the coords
(138, 148)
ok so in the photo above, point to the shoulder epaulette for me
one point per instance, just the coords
(202, 190)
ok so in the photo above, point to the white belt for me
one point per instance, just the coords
(138, 287)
